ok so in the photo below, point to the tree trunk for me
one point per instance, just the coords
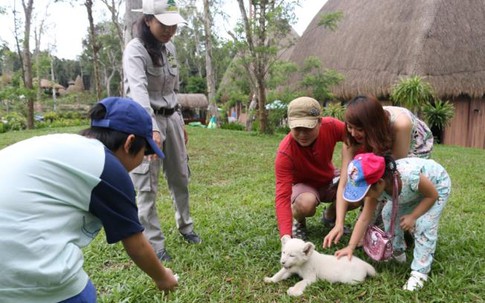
(256, 52)
(94, 48)
(210, 76)
(131, 18)
(27, 62)
(53, 80)
(37, 60)
(263, 114)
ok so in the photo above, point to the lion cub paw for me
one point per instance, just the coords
(294, 291)
(268, 280)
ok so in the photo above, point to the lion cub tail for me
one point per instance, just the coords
(371, 271)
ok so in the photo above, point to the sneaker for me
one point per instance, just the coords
(192, 238)
(400, 257)
(163, 255)
(330, 223)
(299, 230)
(416, 281)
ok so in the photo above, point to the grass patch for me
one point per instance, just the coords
(232, 204)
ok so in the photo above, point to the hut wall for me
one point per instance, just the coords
(477, 123)
(467, 127)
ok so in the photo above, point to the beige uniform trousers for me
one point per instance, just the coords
(175, 167)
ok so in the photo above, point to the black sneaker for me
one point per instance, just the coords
(299, 230)
(192, 238)
(163, 255)
(330, 223)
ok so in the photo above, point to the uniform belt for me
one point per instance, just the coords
(166, 111)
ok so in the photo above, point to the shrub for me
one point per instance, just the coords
(335, 110)
(15, 121)
(51, 116)
(72, 115)
(232, 126)
(439, 114)
(255, 125)
(412, 92)
(277, 117)
(282, 130)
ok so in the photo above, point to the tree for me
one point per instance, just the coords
(130, 19)
(10, 62)
(27, 61)
(39, 72)
(190, 46)
(319, 80)
(210, 76)
(94, 47)
(110, 57)
(116, 25)
(258, 40)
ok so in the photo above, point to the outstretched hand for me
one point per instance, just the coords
(169, 283)
(333, 236)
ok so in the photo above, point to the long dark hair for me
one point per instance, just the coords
(112, 139)
(366, 112)
(151, 44)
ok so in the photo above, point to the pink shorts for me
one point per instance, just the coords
(327, 193)
(323, 194)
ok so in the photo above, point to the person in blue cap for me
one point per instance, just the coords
(423, 190)
(59, 190)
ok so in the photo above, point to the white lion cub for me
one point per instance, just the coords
(299, 257)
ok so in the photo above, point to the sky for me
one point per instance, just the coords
(67, 23)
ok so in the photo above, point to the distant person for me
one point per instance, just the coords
(304, 169)
(152, 79)
(424, 188)
(370, 127)
(58, 191)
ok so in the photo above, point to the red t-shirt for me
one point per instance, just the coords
(310, 165)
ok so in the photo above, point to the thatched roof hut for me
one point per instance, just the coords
(46, 84)
(378, 42)
(76, 86)
(193, 100)
(194, 107)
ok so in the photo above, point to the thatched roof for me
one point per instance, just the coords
(44, 83)
(193, 100)
(377, 42)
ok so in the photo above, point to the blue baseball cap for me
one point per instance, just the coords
(364, 170)
(129, 117)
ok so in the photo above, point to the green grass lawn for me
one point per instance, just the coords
(232, 204)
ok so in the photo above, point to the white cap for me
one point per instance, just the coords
(166, 11)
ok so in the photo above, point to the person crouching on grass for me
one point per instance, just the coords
(304, 170)
(59, 190)
(424, 188)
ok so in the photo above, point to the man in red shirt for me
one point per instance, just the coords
(304, 169)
